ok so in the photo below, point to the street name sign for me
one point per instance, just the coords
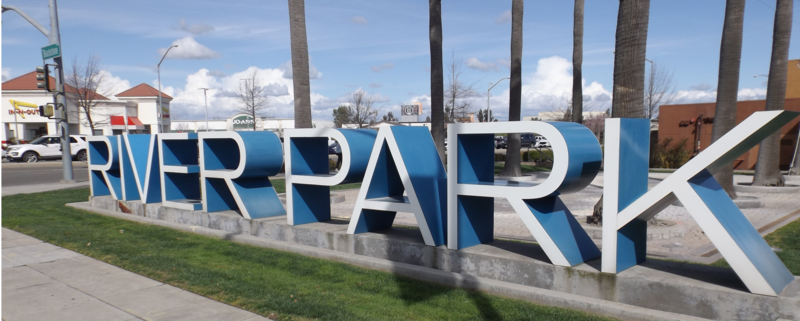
(51, 51)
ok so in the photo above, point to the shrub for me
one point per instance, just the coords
(665, 154)
(537, 156)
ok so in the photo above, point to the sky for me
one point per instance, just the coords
(382, 48)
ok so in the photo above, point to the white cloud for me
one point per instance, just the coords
(474, 63)
(382, 67)
(359, 20)
(6, 74)
(503, 17)
(195, 29)
(313, 73)
(188, 48)
(547, 89)
(709, 96)
(189, 104)
(112, 85)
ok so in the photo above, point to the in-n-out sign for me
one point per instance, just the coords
(401, 172)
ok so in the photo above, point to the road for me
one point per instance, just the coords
(44, 172)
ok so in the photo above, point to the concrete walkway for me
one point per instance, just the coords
(42, 281)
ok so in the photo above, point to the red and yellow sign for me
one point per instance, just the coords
(30, 109)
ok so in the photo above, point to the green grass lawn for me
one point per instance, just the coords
(787, 239)
(257, 279)
(280, 186)
(498, 166)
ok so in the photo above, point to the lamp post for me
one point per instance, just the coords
(488, 96)
(160, 109)
(205, 98)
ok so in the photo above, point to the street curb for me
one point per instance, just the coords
(511, 290)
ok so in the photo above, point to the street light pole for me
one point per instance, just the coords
(160, 110)
(205, 97)
(488, 96)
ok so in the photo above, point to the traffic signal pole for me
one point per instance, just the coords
(60, 97)
(54, 37)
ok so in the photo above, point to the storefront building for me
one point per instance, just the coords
(21, 99)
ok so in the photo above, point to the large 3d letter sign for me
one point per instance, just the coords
(105, 177)
(235, 169)
(401, 171)
(627, 204)
(472, 188)
(140, 168)
(308, 178)
(404, 160)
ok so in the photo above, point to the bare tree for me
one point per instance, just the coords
(730, 59)
(597, 124)
(253, 96)
(577, 63)
(361, 108)
(437, 78)
(457, 94)
(85, 82)
(659, 89)
(768, 172)
(182, 127)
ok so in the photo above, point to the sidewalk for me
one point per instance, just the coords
(42, 281)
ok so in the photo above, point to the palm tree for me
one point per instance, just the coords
(629, 54)
(730, 57)
(577, 62)
(767, 171)
(512, 163)
(302, 86)
(629, 59)
(437, 76)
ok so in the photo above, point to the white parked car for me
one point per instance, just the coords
(47, 147)
(541, 142)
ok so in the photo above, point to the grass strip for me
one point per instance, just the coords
(257, 279)
(786, 238)
(280, 186)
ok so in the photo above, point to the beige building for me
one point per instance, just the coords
(21, 99)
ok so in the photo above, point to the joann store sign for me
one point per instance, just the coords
(243, 122)
(401, 172)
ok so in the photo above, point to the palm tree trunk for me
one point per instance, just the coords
(767, 166)
(299, 43)
(437, 76)
(730, 57)
(577, 63)
(512, 163)
(630, 52)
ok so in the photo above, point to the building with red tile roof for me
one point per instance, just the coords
(142, 90)
(21, 98)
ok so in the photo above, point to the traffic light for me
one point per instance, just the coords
(46, 110)
(43, 78)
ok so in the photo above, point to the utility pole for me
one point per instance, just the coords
(54, 37)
